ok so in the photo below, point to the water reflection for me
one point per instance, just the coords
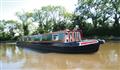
(107, 58)
(113, 56)
(10, 58)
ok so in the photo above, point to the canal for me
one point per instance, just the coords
(14, 58)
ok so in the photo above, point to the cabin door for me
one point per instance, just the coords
(66, 39)
(71, 37)
(77, 36)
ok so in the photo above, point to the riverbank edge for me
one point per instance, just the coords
(8, 42)
(105, 38)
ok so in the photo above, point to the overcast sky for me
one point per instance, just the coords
(8, 8)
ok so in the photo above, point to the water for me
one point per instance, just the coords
(14, 58)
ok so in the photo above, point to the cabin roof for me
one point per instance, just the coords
(61, 31)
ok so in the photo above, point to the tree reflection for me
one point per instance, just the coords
(10, 53)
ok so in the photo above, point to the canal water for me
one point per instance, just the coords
(14, 58)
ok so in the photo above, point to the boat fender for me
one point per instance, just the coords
(101, 41)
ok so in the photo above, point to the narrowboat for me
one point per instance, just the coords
(69, 41)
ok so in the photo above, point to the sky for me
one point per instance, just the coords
(8, 8)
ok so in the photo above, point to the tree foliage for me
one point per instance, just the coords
(51, 18)
(24, 17)
(7, 29)
(94, 17)
(101, 12)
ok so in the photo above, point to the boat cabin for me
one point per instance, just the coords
(59, 36)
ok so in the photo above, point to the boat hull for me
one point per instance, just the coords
(72, 47)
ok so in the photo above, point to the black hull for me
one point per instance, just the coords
(48, 47)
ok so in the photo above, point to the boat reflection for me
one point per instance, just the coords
(107, 58)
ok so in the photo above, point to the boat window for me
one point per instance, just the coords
(66, 34)
(71, 37)
(32, 38)
(66, 37)
(55, 37)
(67, 40)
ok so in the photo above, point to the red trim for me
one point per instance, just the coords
(86, 43)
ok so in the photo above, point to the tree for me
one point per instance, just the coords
(12, 26)
(101, 12)
(7, 30)
(86, 9)
(51, 18)
(38, 17)
(116, 13)
(2, 24)
(24, 17)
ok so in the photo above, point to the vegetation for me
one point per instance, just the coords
(94, 17)
(51, 18)
(104, 14)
